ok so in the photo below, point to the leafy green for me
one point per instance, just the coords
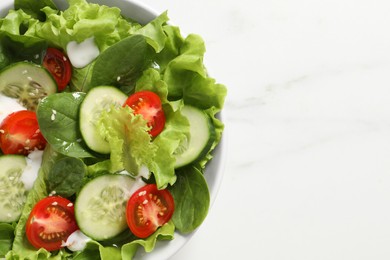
(128, 139)
(188, 79)
(131, 145)
(81, 78)
(163, 233)
(98, 250)
(33, 8)
(6, 238)
(173, 42)
(126, 60)
(192, 199)
(176, 129)
(81, 21)
(16, 42)
(154, 32)
(58, 118)
(66, 176)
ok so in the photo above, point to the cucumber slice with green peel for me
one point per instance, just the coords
(12, 191)
(100, 207)
(97, 100)
(27, 82)
(202, 136)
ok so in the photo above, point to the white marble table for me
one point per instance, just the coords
(308, 126)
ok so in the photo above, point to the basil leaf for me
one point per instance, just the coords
(58, 118)
(121, 64)
(66, 176)
(192, 199)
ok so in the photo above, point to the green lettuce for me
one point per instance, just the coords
(81, 21)
(154, 32)
(131, 145)
(124, 250)
(166, 232)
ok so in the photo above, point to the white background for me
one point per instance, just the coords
(308, 127)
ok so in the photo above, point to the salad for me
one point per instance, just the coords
(106, 127)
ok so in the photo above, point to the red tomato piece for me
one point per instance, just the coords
(147, 209)
(148, 104)
(58, 64)
(51, 221)
(20, 134)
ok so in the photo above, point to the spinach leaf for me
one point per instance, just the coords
(66, 176)
(4, 59)
(121, 64)
(81, 78)
(58, 118)
(192, 199)
(6, 238)
(33, 8)
(20, 47)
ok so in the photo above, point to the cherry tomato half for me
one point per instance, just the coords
(147, 209)
(148, 104)
(59, 66)
(20, 134)
(51, 221)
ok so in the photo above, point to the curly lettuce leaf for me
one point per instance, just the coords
(127, 250)
(176, 129)
(131, 145)
(166, 232)
(187, 77)
(154, 32)
(81, 21)
(127, 135)
(173, 42)
(189, 81)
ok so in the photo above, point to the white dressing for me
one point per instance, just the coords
(30, 173)
(76, 241)
(81, 54)
(8, 105)
(138, 181)
(144, 172)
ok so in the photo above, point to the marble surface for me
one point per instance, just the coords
(308, 127)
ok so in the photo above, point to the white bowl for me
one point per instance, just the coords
(214, 170)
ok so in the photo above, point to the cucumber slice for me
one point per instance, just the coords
(97, 100)
(27, 82)
(100, 207)
(12, 191)
(202, 136)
